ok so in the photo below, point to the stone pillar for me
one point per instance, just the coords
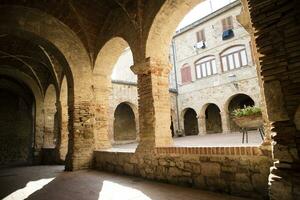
(277, 38)
(154, 104)
(81, 136)
(57, 130)
(202, 125)
(225, 121)
(101, 126)
(62, 139)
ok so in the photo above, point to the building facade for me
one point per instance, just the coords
(215, 70)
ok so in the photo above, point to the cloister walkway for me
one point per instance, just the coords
(51, 182)
(208, 140)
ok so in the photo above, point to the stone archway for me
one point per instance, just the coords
(213, 122)
(124, 123)
(234, 102)
(17, 125)
(190, 122)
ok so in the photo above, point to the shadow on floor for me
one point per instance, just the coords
(13, 179)
(50, 182)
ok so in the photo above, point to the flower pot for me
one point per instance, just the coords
(251, 121)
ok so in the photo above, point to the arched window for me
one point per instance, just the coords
(234, 57)
(186, 76)
(206, 67)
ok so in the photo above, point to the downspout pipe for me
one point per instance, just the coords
(179, 131)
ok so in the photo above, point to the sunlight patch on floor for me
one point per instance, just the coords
(29, 189)
(114, 191)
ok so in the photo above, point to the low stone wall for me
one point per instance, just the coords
(241, 171)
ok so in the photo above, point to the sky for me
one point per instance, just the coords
(201, 10)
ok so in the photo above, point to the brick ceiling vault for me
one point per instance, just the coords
(30, 59)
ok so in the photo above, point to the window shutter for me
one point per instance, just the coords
(203, 35)
(229, 22)
(224, 24)
(200, 35)
(186, 76)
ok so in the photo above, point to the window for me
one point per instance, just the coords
(227, 23)
(234, 57)
(186, 76)
(201, 36)
(206, 67)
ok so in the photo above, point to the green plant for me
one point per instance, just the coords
(246, 111)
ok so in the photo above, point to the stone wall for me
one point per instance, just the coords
(241, 171)
(123, 92)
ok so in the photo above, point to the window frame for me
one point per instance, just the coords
(199, 64)
(234, 62)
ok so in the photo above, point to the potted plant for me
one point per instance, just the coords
(248, 117)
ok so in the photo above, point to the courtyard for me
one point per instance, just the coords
(118, 99)
(210, 140)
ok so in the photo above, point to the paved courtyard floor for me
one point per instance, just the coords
(209, 140)
(51, 182)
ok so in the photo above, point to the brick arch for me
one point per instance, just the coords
(108, 55)
(104, 63)
(163, 27)
(53, 36)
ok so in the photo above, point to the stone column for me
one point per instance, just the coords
(81, 136)
(154, 104)
(225, 121)
(62, 140)
(201, 125)
(101, 126)
(276, 40)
